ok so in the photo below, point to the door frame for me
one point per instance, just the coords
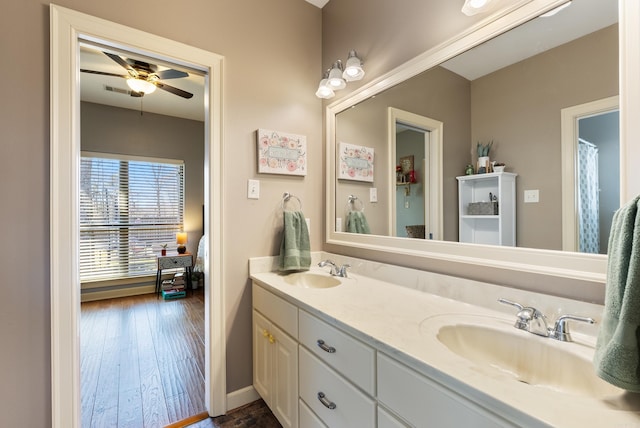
(68, 29)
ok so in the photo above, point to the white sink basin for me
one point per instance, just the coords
(311, 280)
(496, 348)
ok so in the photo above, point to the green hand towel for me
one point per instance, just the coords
(617, 356)
(295, 250)
(357, 222)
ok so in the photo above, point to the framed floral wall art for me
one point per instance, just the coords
(281, 153)
(355, 163)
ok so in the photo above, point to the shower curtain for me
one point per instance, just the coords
(588, 199)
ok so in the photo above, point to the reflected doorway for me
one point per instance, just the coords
(590, 174)
(416, 158)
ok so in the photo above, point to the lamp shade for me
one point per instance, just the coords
(324, 90)
(353, 69)
(140, 85)
(181, 238)
(336, 82)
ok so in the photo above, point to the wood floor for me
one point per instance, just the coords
(142, 361)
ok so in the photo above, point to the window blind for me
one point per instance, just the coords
(129, 208)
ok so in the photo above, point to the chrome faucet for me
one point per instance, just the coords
(529, 319)
(335, 270)
(532, 320)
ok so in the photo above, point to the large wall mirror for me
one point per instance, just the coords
(529, 83)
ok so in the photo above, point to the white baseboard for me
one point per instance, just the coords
(241, 397)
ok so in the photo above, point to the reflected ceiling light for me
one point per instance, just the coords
(324, 90)
(556, 10)
(336, 82)
(139, 85)
(353, 69)
(471, 7)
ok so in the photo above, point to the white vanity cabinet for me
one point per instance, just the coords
(275, 355)
(479, 223)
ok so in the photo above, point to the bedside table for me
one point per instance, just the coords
(176, 261)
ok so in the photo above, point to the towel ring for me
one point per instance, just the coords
(286, 197)
(351, 204)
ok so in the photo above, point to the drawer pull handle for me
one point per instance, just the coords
(325, 401)
(271, 338)
(265, 333)
(325, 347)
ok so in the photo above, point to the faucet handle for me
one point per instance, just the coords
(509, 302)
(561, 328)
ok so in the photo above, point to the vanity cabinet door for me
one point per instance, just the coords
(275, 369)
(424, 403)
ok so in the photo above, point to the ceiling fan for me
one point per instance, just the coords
(143, 78)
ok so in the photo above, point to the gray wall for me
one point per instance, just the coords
(256, 38)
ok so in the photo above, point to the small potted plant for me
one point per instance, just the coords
(498, 167)
(484, 162)
(163, 251)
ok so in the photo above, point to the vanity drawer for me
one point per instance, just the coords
(424, 403)
(352, 407)
(279, 311)
(352, 358)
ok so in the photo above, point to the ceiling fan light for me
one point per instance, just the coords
(336, 82)
(139, 85)
(353, 70)
(471, 7)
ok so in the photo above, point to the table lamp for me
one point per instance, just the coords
(181, 239)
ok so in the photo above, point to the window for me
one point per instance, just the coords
(129, 208)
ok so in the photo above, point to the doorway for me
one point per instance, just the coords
(590, 174)
(422, 149)
(68, 30)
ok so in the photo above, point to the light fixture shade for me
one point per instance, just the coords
(140, 85)
(336, 82)
(471, 7)
(181, 238)
(324, 90)
(353, 69)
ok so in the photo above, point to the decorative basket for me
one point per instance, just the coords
(482, 208)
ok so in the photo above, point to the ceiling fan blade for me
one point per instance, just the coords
(173, 90)
(103, 73)
(117, 58)
(171, 74)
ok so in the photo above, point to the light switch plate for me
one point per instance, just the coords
(531, 196)
(373, 194)
(253, 189)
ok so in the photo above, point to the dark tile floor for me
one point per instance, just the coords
(255, 414)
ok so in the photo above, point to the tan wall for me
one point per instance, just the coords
(256, 39)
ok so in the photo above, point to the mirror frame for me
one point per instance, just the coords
(577, 266)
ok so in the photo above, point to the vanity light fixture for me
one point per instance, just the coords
(336, 82)
(139, 85)
(337, 76)
(471, 7)
(353, 70)
(324, 90)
